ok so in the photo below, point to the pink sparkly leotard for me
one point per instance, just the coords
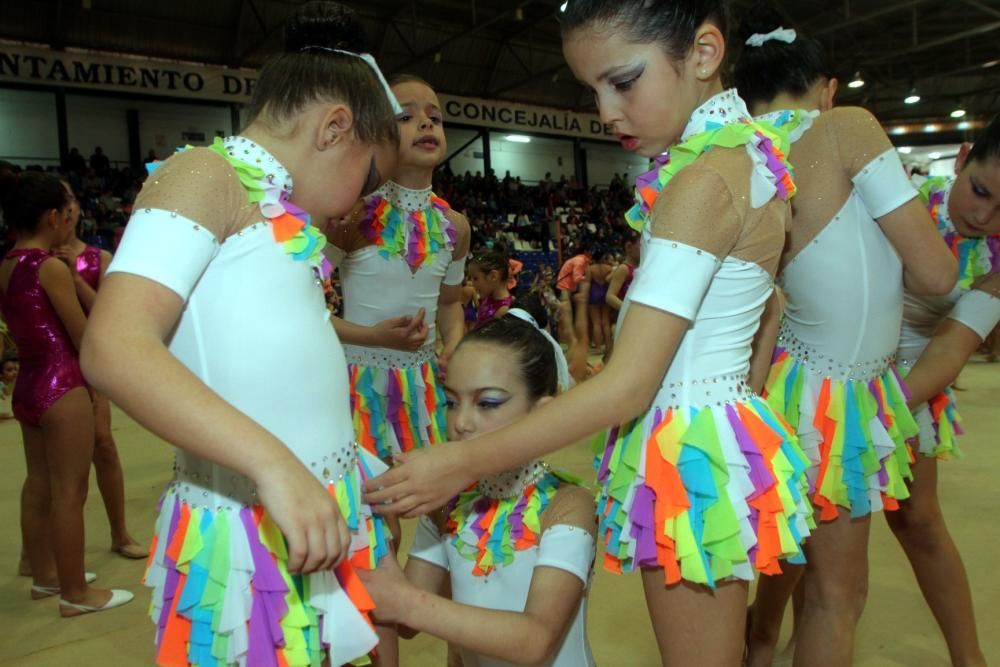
(50, 365)
(88, 265)
(488, 307)
(628, 281)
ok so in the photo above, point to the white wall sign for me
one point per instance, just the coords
(500, 115)
(123, 73)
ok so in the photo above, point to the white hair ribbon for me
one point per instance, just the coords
(370, 60)
(563, 377)
(786, 35)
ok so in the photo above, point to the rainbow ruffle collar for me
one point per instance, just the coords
(290, 225)
(416, 236)
(792, 123)
(722, 121)
(977, 256)
(490, 530)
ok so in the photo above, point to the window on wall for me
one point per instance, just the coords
(532, 160)
(163, 125)
(28, 131)
(606, 160)
(94, 121)
(470, 158)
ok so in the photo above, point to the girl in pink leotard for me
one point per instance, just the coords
(489, 273)
(49, 363)
(88, 264)
(50, 400)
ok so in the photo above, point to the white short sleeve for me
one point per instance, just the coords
(456, 272)
(674, 277)
(167, 248)
(429, 544)
(568, 548)
(977, 310)
(883, 184)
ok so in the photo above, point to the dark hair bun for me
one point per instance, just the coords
(532, 304)
(763, 72)
(325, 24)
(760, 20)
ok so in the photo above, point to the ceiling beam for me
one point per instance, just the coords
(518, 34)
(256, 14)
(983, 7)
(402, 37)
(934, 43)
(544, 74)
(57, 37)
(496, 18)
(863, 18)
(519, 59)
(234, 36)
(280, 25)
(495, 67)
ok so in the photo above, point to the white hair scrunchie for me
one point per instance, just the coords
(786, 35)
(563, 377)
(370, 60)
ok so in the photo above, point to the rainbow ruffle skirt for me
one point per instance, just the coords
(397, 409)
(223, 596)
(854, 432)
(705, 493)
(940, 425)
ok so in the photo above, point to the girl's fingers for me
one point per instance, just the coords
(393, 476)
(345, 543)
(316, 545)
(419, 511)
(396, 507)
(331, 535)
(296, 550)
(383, 496)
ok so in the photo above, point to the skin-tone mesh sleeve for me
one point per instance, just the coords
(199, 185)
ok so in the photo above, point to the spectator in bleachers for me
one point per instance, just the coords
(488, 273)
(75, 162)
(598, 313)
(574, 287)
(99, 162)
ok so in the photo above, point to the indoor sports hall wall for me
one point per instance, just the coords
(29, 130)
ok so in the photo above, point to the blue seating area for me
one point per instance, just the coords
(532, 260)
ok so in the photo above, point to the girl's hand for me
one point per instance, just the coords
(402, 333)
(421, 481)
(443, 359)
(388, 587)
(68, 255)
(318, 538)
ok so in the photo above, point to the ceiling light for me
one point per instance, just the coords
(934, 155)
(899, 129)
(958, 113)
(964, 125)
(905, 150)
(857, 82)
(562, 7)
(912, 98)
(991, 63)
(931, 127)
(518, 138)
